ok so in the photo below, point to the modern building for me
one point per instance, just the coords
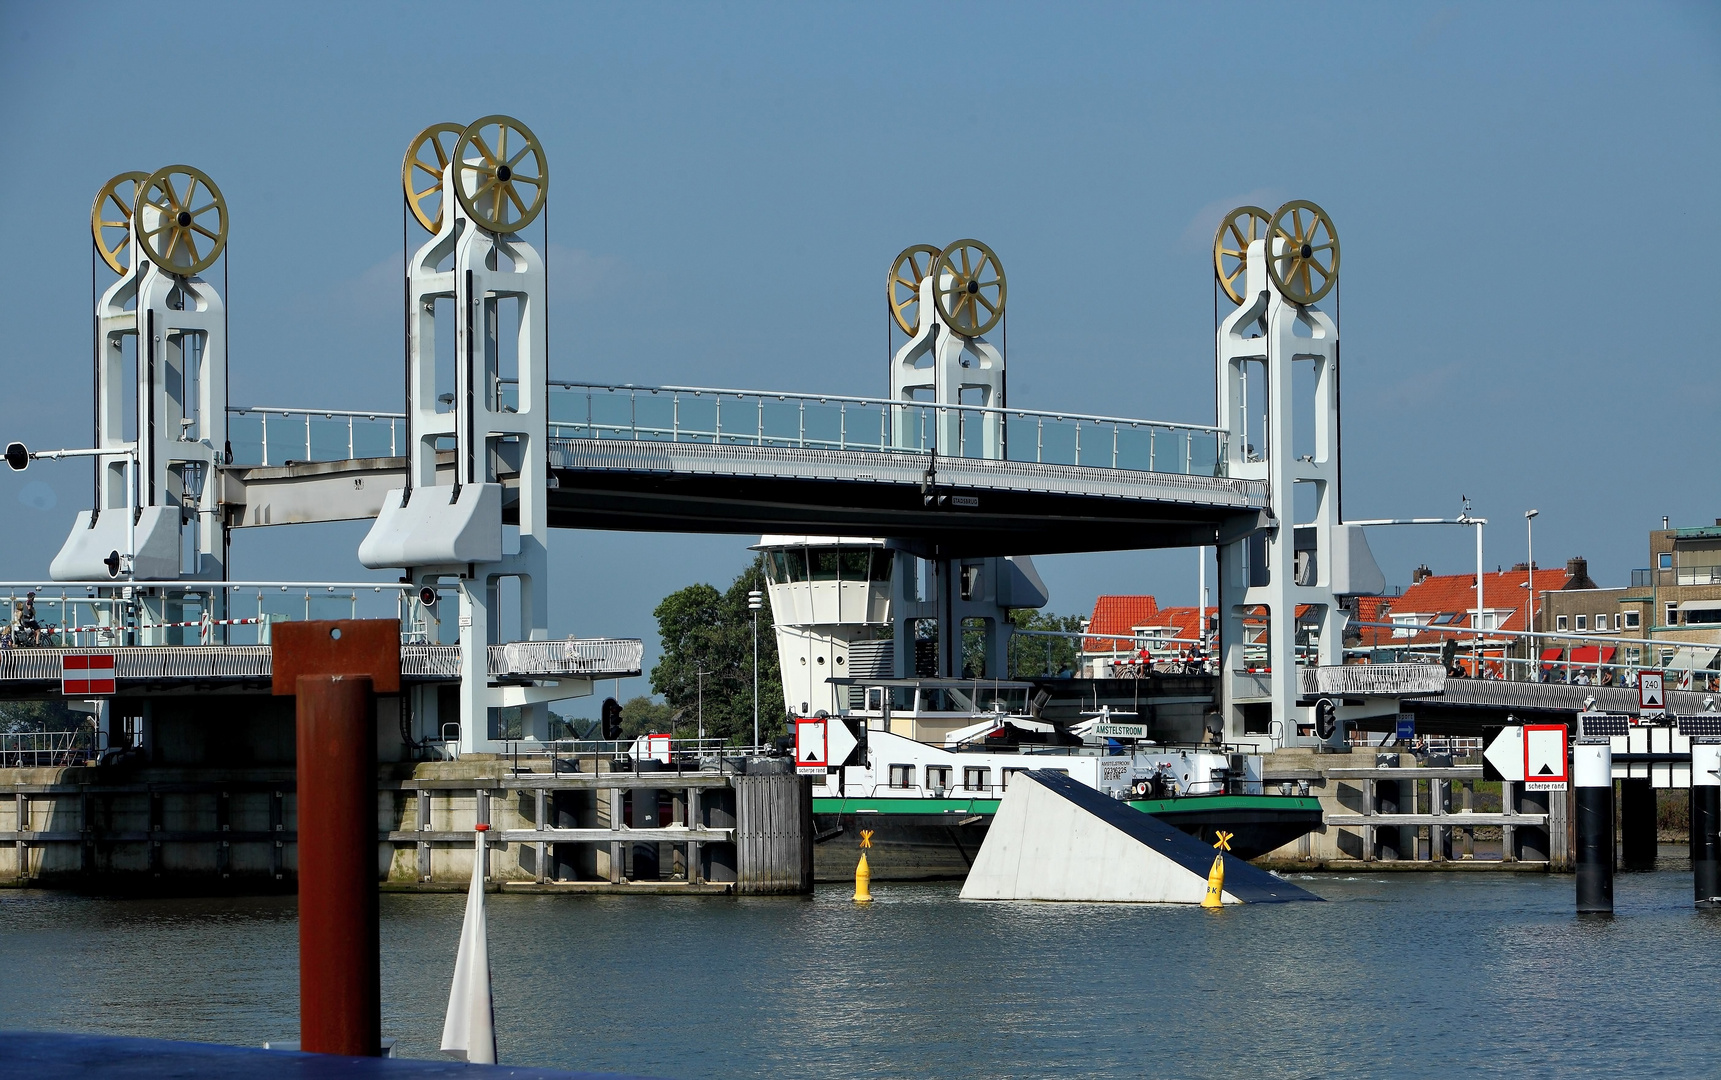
(1676, 600)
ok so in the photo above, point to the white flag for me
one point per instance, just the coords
(469, 1032)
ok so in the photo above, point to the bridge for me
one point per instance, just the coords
(692, 459)
(959, 485)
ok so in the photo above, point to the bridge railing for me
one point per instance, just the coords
(683, 414)
(266, 435)
(270, 436)
(1372, 679)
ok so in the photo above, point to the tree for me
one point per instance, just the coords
(643, 716)
(1033, 656)
(50, 715)
(705, 630)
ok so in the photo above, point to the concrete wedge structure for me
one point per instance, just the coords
(1056, 839)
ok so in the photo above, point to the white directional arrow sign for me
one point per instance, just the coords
(1506, 754)
(840, 742)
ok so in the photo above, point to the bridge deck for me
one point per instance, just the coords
(978, 506)
(169, 667)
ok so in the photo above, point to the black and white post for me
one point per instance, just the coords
(1706, 821)
(1592, 788)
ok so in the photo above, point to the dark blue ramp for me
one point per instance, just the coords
(1247, 883)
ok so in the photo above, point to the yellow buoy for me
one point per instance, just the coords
(863, 872)
(1215, 884)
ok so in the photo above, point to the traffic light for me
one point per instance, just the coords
(611, 719)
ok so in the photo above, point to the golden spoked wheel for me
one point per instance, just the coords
(110, 218)
(970, 287)
(903, 288)
(500, 174)
(181, 219)
(1308, 263)
(1231, 247)
(421, 173)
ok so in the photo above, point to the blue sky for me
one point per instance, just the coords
(1525, 194)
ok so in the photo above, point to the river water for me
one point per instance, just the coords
(1405, 975)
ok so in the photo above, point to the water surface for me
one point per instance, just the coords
(1406, 975)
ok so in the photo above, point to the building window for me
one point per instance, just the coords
(1633, 620)
(1632, 654)
(1601, 622)
(1560, 622)
(938, 777)
(1006, 779)
(1665, 560)
(1672, 614)
(1703, 616)
(976, 778)
(1583, 622)
(902, 776)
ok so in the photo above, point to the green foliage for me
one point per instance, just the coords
(1029, 656)
(17, 716)
(704, 630)
(643, 716)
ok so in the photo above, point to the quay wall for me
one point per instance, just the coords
(179, 818)
(1386, 810)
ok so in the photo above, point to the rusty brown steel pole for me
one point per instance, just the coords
(340, 950)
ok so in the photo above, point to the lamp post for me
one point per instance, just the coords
(755, 601)
(1466, 519)
(1530, 587)
(700, 674)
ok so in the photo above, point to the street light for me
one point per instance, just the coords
(1530, 587)
(701, 673)
(755, 601)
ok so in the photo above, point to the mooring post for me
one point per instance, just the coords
(1592, 784)
(340, 951)
(335, 669)
(1706, 821)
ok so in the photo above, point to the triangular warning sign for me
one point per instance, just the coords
(1651, 697)
(1546, 770)
(812, 753)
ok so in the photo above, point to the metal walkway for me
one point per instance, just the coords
(692, 459)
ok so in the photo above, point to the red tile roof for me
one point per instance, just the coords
(1455, 595)
(1119, 615)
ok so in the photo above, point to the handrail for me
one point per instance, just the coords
(789, 395)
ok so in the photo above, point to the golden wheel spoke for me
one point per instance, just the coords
(494, 204)
(1240, 228)
(164, 198)
(1300, 224)
(964, 300)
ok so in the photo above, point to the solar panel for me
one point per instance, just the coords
(1603, 724)
(1709, 724)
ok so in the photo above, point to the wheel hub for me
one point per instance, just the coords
(973, 286)
(504, 173)
(183, 219)
(1307, 251)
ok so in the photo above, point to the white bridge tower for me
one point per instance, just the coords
(476, 411)
(163, 325)
(1278, 393)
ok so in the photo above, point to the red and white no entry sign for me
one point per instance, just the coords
(86, 674)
